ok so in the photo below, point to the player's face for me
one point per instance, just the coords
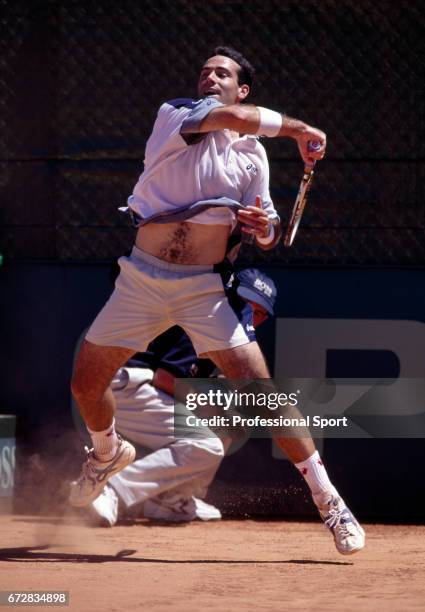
(259, 314)
(219, 79)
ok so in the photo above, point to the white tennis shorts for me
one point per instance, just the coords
(152, 295)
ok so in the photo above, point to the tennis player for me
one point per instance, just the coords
(205, 172)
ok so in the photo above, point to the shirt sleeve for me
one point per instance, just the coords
(176, 126)
(165, 137)
(199, 111)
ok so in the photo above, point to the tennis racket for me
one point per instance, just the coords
(301, 200)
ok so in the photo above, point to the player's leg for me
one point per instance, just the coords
(93, 372)
(133, 316)
(241, 362)
(213, 323)
(247, 362)
(216, 333)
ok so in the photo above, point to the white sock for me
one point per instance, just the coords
(316, 476)
(105, 443)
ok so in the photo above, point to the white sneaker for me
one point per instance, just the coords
(176, 509)
(349, 536)
(104, 509)
(95, 474)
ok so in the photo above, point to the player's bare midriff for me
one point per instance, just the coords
(184, 243)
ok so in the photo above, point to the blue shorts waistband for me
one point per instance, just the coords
(166, 265)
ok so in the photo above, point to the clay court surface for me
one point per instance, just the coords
(227, 565)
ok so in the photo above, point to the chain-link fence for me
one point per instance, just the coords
(81, 83)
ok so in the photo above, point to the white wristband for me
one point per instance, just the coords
(270, 122)
(268, 239)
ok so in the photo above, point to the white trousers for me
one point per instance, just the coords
(144, 415)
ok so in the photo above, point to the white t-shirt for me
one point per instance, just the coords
(178, 174)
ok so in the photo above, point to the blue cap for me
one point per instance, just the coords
(257, 287)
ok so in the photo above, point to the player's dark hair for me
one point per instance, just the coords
(246, 71)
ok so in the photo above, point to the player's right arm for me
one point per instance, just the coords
(247, 119)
